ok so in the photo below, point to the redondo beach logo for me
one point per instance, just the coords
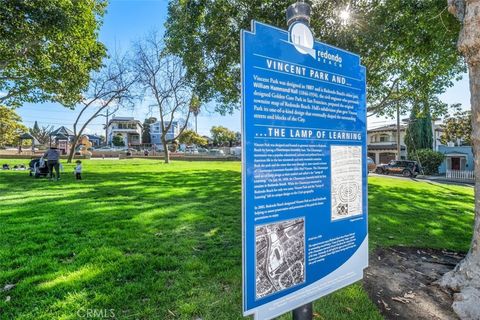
(325, 55)
(302, 38)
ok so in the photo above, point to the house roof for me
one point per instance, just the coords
(385, 147)
(61, 131)
(403, 127)
(390, 127)
(26, 136)
(61, 136)
(92, 136)
(452, 154)
(124, 119)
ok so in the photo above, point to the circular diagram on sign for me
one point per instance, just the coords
(348, 192)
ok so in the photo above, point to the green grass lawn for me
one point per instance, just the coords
(156, 241)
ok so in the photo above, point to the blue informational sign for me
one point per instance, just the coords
(304, 169)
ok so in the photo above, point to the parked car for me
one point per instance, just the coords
(406, 168)
(216, 152)
(371, 165)
(191, 150)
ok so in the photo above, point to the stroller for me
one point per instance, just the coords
(38, 168)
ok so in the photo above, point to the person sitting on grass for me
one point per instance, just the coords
(53, 158)
(78, 170)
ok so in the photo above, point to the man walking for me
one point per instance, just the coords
(53, 158)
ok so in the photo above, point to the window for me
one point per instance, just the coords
(384, 138)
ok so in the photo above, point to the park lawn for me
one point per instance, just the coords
(154, 241)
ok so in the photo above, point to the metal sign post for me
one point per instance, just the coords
(305, 312)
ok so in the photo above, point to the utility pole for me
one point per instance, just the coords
(107, 115)
(399, 147)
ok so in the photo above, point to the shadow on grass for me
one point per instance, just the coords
(420, 214)
(159, 242)
(139, 243)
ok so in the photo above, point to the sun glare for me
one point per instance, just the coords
(345, 15)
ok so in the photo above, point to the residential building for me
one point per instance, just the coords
(156, 132)
(129, 129)
(382, 143)
(94, 139)
(456, 158)
(63, 138)
(209, 140)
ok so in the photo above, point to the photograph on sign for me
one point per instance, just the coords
(280, 256)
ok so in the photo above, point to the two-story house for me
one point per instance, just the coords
(129, 129)
(382, 143)
(63, 138)
(156, 133)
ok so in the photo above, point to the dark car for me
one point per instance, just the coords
(371, 164)
(405, 168)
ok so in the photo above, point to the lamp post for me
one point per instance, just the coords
(300, 12)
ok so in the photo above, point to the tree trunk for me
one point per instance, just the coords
(165, 151)
(465, 278)
(71, 154)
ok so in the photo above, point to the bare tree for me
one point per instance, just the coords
(465, 278)
(162, 79)
(110, 87)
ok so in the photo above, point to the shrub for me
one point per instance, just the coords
(429, 160)
(117, 141)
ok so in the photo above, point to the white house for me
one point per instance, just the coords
(129, 129)
(382, 142)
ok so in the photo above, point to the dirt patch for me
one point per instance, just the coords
(401, 282)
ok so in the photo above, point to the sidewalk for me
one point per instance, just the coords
(443, 179)
(437, 179)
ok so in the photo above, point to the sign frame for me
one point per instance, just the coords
(309, 293)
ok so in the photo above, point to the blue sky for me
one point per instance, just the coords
(129, 20)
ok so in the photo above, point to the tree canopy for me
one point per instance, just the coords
(10, 126)
(146, 138)
(419, 133)
(190, 137)
(386, 34)
(458, 127)
(48, 49)
(222, 136)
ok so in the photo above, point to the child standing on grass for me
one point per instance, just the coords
(78, 170)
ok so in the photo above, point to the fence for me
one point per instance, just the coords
(460, 175)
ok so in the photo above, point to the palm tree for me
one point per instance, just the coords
(195, 109)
